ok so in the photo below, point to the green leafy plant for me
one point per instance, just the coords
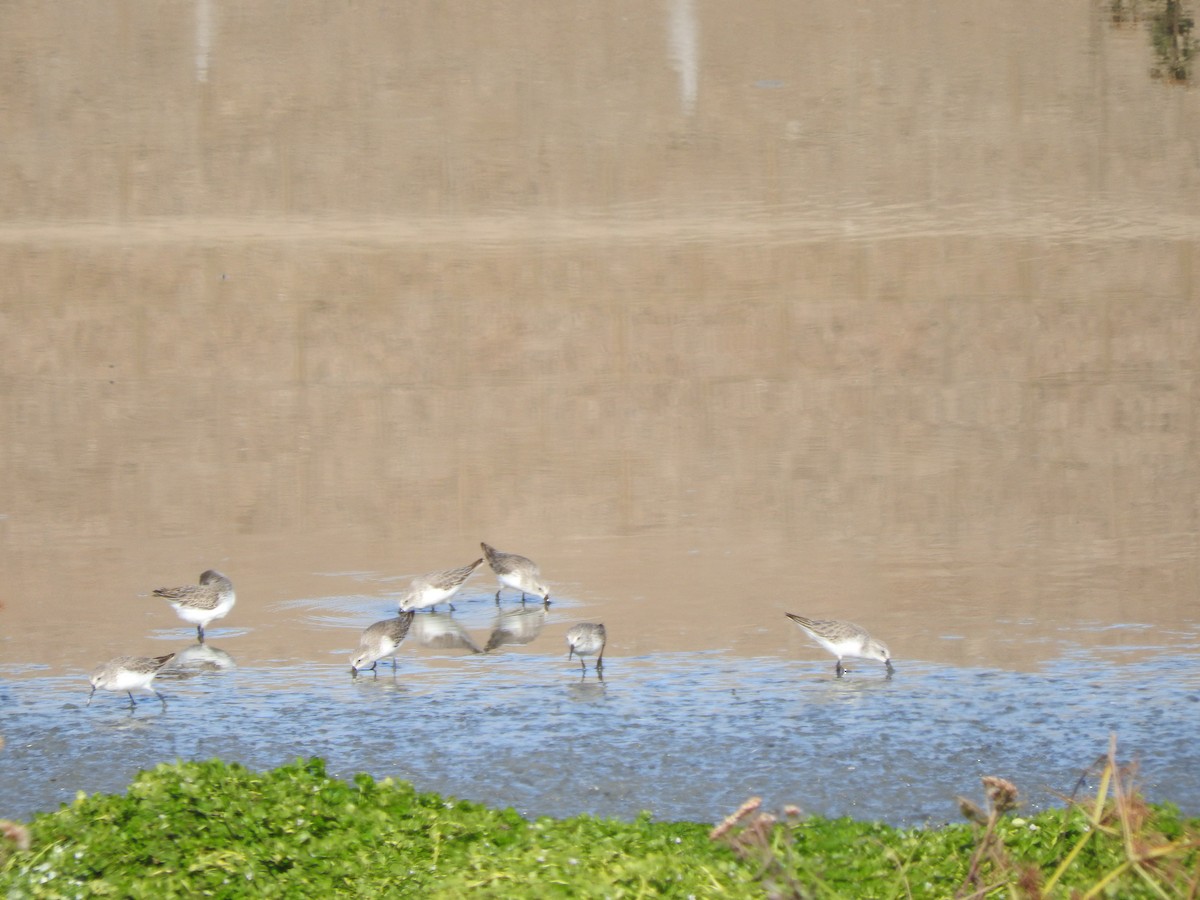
(216, 829)
(219, 830)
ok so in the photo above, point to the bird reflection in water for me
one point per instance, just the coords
(519, 625)
(202, 658)
(441, 631)
(587, 689)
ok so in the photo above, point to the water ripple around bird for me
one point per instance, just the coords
(683, 736)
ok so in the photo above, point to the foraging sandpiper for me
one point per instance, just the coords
(844, 639)
(380, 640)
(516, 572)
(427, 591)
(129, 673)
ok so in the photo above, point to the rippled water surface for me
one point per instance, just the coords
(716, 312)
(685, 736)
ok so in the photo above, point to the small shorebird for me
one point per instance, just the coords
(381, 640)
(516, 572)
(427, 591)
(586, 639)
(127, 673)
(199, 604)
(844, 639)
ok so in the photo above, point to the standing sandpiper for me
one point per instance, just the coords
(199, 604)
(587, 639)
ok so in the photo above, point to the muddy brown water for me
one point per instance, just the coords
(885, 314)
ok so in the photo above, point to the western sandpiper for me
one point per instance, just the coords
(587, 639)
(129, 673)
(427, 591)
(201, 603)
(516, 572)
(844, 639)
(381, 640)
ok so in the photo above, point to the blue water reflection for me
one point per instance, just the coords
(685, 737)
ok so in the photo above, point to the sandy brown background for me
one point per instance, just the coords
(714, 310)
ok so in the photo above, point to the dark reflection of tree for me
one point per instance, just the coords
(1173, 41)
(1171, 26)
(1125, 12)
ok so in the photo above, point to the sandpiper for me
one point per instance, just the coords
(127, 673)
(516, 572)
(844, 639)
(381, 640)
(201, 603)
(427, 591)
(587, 639)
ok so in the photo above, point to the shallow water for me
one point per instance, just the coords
(884, 315)
(685, 736)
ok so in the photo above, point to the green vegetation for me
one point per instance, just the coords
(214, 829)
(197, 829)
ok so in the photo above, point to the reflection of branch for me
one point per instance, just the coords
(1171, 31)
(1170, 27)
(1125, 12)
